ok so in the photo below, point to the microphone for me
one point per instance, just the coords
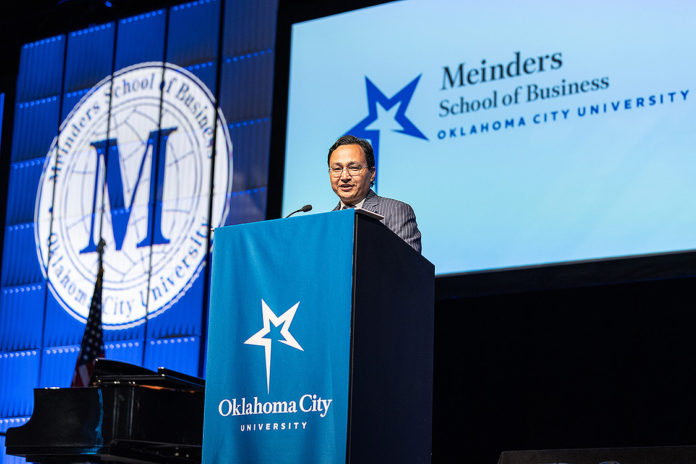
(304, 209)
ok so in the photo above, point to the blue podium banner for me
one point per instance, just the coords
(279, 341)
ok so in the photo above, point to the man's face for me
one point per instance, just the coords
(350, 188)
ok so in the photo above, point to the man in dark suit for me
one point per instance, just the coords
(352, 173)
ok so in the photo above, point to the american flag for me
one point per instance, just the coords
(92, 346)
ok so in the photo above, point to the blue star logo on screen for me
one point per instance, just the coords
(401, 124)
(260, 339)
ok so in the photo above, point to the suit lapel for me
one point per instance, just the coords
(371, 201)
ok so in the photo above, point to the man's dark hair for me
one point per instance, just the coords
(352, 140)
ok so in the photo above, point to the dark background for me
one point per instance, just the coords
(583, 365)
(597, 354)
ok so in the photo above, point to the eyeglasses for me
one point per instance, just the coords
(353, 170)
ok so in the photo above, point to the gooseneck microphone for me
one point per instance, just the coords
(304, 209)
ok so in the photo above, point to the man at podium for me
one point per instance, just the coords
(352, 173)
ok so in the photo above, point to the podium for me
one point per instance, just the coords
(320, 344)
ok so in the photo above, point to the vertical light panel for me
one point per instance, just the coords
(246, 100)
(22, 286)
(188, 107)
(139, 39)
(88, 60)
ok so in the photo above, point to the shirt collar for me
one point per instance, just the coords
(357, 205)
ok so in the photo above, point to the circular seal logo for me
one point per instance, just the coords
(133, 164)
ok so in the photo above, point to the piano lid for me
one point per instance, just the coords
(130, 415)
(109, 372)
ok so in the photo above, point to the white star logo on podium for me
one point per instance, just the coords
(259, 338)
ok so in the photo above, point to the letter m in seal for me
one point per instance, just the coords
(108, 156)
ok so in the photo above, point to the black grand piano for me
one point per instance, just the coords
(129, 414)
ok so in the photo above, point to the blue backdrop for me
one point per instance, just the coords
(221, 49)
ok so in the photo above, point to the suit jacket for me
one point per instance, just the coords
(398, 216)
